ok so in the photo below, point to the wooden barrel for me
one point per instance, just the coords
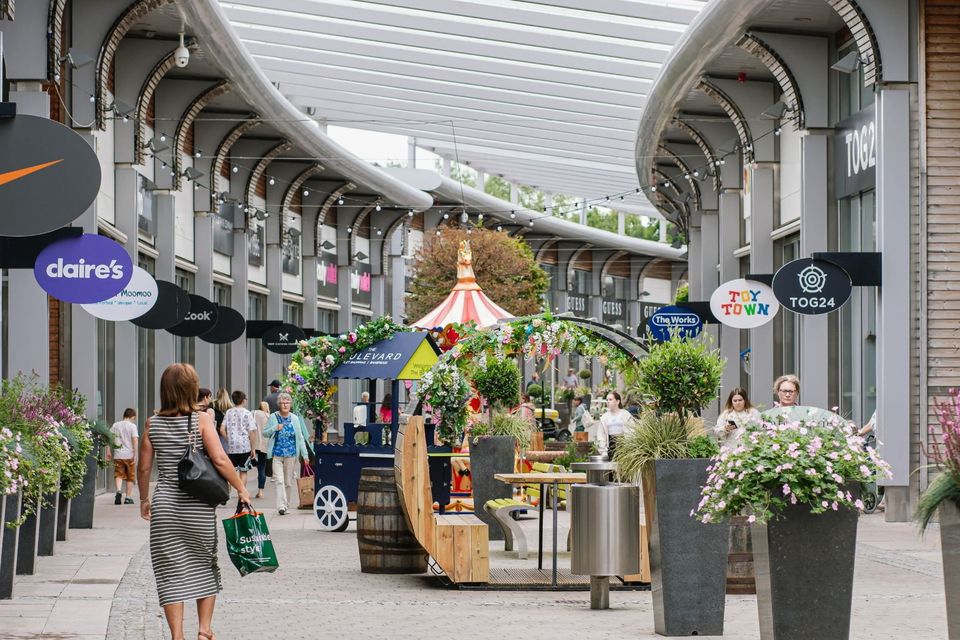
(740, 577)
(386, 543)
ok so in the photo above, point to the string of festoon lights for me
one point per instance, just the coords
(510, 214)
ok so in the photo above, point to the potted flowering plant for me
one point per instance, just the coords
(446, 391)
(943, 497)
(798, 477)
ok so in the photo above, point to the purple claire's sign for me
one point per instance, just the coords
(83, 270)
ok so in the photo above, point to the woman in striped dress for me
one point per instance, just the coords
(183, 530)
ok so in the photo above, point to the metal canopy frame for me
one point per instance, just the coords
(543, 93)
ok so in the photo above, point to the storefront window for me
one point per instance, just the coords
(185, 348)
(858, 318)
(786, 332)
(256, 354)
(221, 352)
(146, 361)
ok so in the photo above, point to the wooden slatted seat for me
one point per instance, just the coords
(458, 543)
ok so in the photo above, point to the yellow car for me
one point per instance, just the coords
(549, 423)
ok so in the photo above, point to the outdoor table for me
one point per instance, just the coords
(542, 479)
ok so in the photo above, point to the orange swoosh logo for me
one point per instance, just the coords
(10, 176)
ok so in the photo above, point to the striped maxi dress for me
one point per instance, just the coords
(183, 530)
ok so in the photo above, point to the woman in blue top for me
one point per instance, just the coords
(286, 443)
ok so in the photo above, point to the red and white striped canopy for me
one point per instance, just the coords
(467, 302)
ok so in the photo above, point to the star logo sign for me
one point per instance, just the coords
(16, 174)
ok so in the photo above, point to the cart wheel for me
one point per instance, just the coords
(330, 507)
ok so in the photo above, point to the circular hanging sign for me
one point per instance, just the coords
(744, 304)
(230, 326)
(811, 287)
(49, 175)
(82, 270)
(668, 319)
(201, 317)
(136, 299)
(172, 304)
(283, 338)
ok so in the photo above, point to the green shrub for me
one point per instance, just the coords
(682, 374)
(566, 394)
(585, 374)
(572, 454)
(536, 393)
(702, 446)
(657, 437)
(499, 383)
(683, 294)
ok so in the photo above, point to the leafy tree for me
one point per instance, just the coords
(505, 268)
(458, 173)
(602, 220)
(497, 187)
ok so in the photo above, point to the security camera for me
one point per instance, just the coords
(181, 56)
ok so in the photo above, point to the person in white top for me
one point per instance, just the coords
(612, 425)
(125, 434)
(737, 413)
(360, 411)
(239, 427)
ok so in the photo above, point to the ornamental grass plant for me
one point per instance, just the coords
(818, 463)
(945, 488)
(656, 437)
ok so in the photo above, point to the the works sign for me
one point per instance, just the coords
(855, 153)
(49, 176)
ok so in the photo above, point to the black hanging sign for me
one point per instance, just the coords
(201, 318)
(230, 326)
(173, 303)
(283, 338)
(811, 287)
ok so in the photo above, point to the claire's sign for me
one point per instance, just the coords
(744, 304)
(136, 299)
(82, 270)
(669, 319)
(811, 287)
(49, 175)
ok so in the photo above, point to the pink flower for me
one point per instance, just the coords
(342, 349)
(351, 337)
(752, 519)
(786, 489)
(858, 504)
(834, 506)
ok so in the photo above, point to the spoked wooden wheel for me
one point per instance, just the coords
(330, 507)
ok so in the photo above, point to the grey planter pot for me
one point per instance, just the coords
(804, 570)
(490, 455)
(688, 559)
(9, 511)
(950, 548)
(81, 509)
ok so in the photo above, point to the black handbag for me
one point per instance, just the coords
(197, 476)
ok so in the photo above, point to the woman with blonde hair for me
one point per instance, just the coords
(787, 388)
(183, 530)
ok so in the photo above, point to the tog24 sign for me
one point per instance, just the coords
(744, 304)
(811, 287)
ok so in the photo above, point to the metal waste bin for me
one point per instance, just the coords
(605, 520)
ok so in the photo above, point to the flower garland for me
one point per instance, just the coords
(448, 392)
(807, 461)
(532, 338)
(308, 379)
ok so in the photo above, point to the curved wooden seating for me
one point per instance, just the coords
(458, 543)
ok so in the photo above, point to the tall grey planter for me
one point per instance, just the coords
(8, 544)
(490, 455)
(950, 548)
(688, 559)
(81, 511)
(28, 537)
(804, 569)
(63, 517)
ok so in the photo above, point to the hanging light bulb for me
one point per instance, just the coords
(236, 168)
(379, 232)
(480, 217)
(438, 231)
(696, 173)
(163, 137)
(513, 215)
(446, 216)
(93, 99)
(378, 207)
(531, 223)
(340, 201)
(272, 181)
(653, 188)
(306, 192)
(196, 186)
(499, 228)
(410, 213)
(349, 229)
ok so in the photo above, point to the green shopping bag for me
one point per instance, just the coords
(248, 541)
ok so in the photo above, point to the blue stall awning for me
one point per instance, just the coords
(406, 356)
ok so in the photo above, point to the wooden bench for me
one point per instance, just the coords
(458, 543)
(503, 510)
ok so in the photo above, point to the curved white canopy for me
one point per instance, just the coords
(544, 93)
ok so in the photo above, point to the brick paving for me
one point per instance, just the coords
(100, 585)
